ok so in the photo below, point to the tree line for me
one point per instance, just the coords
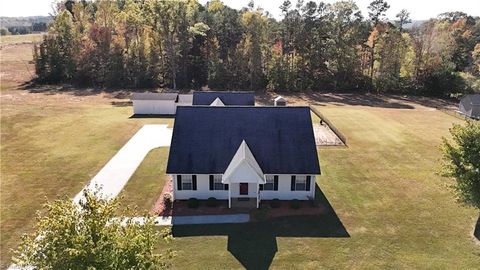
(314, 47)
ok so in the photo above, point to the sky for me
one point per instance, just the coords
(419, 9)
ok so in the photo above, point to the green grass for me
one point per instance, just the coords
(51, 146)
(146, 184)
(383, 188)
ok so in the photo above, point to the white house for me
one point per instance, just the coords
(470, 106)
(243, 153)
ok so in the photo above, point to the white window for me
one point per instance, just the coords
(269, 182)
(217, 182)
(187, 182)
(301, 182)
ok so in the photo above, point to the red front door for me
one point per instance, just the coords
(243, 188)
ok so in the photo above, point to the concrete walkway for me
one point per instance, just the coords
(116, 173)
(201, 219)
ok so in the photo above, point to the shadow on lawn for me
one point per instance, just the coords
(254, 244)
(340, 99)
(476, 232)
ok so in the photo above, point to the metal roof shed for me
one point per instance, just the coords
(470, 106)
(154, 103)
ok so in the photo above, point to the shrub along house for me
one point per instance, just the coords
(243, 153)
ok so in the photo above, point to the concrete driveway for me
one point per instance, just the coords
(116, 173)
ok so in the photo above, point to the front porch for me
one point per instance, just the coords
(243, 195)
(248, 203)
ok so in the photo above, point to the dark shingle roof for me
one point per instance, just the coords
(205, 139)
(228, 98)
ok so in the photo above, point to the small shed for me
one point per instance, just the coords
(280, 101)
(154, 103)
(470, 106)
(185, 99)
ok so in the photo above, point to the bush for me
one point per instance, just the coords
(212, 202)
(167, 200)
(193, 203)
(295, 204)
(275, 203)
(313, 201)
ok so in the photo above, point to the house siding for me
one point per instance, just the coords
(284, 191)
(203, 191)
(166, 107)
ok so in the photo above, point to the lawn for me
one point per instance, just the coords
(146, 184)
(396, 212)
(390, 209)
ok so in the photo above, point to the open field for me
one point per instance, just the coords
(15, 39)
(390, 208)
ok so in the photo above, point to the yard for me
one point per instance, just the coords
(390, 208)
(394, 211)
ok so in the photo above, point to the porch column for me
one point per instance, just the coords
(229, 195)
(258, 196)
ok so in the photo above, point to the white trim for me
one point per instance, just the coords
(243, 159)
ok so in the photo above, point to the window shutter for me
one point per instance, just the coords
(194, 182)
(260, 186)
(308, 183)
(292, 185)
(225, 186)
(179, 182)
(211, 182)
(275, 182)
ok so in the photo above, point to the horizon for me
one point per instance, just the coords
(419, 10)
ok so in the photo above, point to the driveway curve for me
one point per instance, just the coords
(116, 173)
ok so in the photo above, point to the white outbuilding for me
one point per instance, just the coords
(154, 103)
(470, 106)
(280, 101)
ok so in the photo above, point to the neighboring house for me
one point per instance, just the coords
(223, 98)
(253, 153)
(470, 106)
(159, 103)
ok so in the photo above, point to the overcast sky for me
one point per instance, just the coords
(419, 9)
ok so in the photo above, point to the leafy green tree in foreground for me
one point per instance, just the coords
(462, 162)
(89, 236)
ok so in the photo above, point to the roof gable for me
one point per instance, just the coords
(227, 98)
(243, 167)
(473, 99)
(217, 102)
(206, 139)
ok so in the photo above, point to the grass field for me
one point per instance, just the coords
(397, 212)
(390, 208)
(14, 39)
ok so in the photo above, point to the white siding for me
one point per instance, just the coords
(185, 99)
(165, 107)
(203, 191)
(284, 191)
